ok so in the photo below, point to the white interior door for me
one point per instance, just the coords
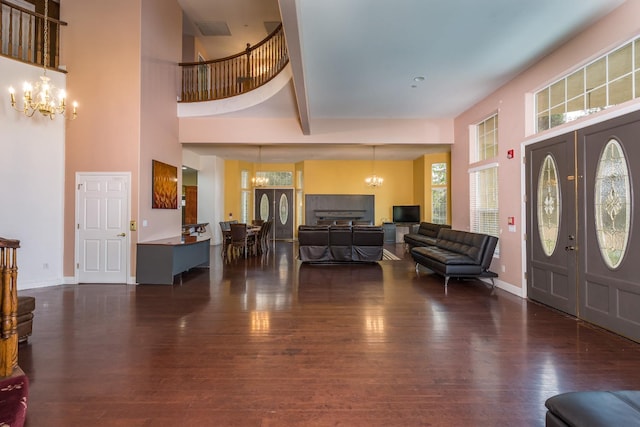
(102, 242)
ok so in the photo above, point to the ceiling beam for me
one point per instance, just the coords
(289, 15)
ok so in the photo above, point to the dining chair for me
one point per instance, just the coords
(225, 228)
(263, 236)
(240, 240)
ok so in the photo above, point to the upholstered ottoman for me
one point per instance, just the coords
(594, 409)
(26, 305)
(14, 393)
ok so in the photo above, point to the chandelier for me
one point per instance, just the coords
(374, 180)
(41, 96)
(259, 181)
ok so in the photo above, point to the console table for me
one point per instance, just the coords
(159, 261)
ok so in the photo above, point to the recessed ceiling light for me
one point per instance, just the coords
(418, 79)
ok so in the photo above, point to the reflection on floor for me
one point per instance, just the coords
(267, 341)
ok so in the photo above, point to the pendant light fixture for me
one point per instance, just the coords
(42, 95)
(374, 180)
(259, 181)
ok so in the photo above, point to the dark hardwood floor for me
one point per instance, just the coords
(268, 342)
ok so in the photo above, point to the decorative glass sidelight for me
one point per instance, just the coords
(549, 205)
(264, 207)
(284, 209)
(612, 199)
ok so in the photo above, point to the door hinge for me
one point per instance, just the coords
(78, 226)
(79, 186)
(524, 237)
(525, 275)
(78, 266)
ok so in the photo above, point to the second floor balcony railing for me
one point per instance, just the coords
(22, 35)
(236, 74)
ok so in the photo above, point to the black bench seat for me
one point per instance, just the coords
(458, 253)
(426, 234)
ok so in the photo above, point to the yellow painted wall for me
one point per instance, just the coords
(419, 182)
(347, 177)
(406, 182)
(232, 189)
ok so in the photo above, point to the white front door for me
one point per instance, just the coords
(102, 227)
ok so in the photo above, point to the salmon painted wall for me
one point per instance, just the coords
(515, 108)
(125, 83)
(161, 49)
(244, 130)
(104, 77)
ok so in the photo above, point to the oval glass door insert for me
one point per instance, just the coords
(549, 205)
(264, 207)
(284, 209)
(612, 199)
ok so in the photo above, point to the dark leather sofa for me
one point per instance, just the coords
(26, 306)
(458, 253)
(425, 235)
(340, 243)
(594, 409)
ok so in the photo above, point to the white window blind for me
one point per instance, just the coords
(439, 193)
(483, 201)
(244, 196)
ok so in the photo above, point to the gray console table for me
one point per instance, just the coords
(389, 232)
(159, 261)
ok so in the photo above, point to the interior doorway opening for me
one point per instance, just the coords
(189, 195)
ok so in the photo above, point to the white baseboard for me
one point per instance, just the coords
(517, 291)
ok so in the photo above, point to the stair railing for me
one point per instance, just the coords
(22, 35)
(236, 74)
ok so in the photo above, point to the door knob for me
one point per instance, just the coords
(121, 235)
(569, 248)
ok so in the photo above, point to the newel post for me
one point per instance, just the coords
(9, 306)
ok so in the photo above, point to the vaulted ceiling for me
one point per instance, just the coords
(406, 59)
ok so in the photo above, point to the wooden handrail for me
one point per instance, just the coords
(8, 306)
(22, 35)
(235, 74)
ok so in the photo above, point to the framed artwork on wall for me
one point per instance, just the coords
(165, 186)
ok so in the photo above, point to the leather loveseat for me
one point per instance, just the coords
(594, 408)
(458, 253)
(426, 234)
(340, 243)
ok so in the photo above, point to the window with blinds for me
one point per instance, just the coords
(483, 179)
(439, 193)
(483, 201)
(486, 144)
(245, 195)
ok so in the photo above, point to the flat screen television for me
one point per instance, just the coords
(406, 213)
